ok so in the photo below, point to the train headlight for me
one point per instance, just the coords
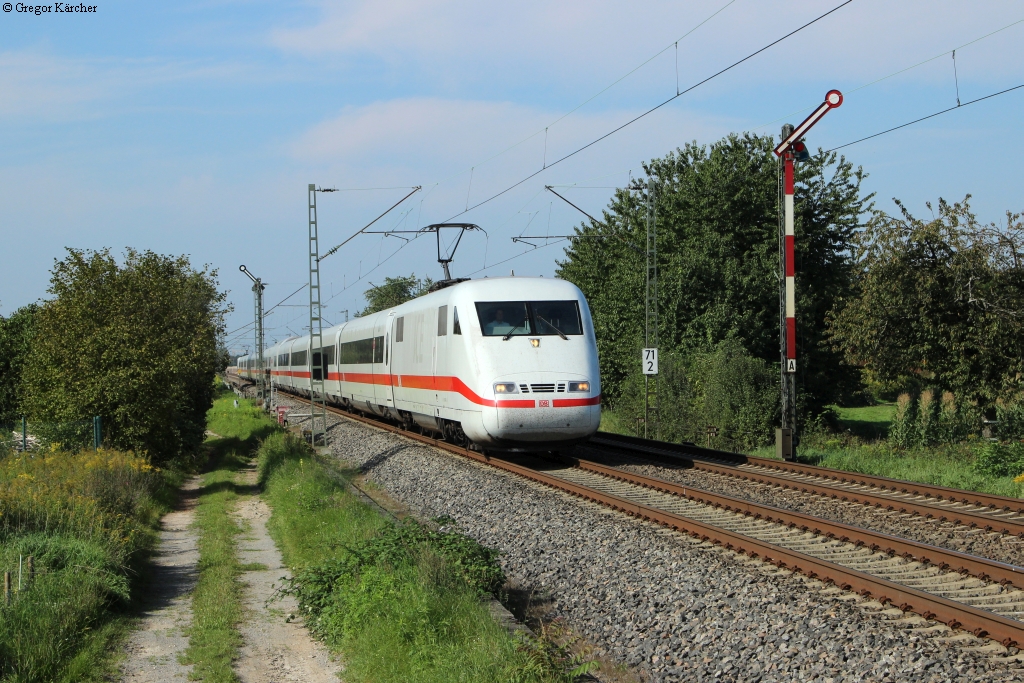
(505, 388)
(579, 386)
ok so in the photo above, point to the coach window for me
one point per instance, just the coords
(456, 328)
(442, 321)
(399, 329)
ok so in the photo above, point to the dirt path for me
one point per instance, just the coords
(152, 650)
(274, 650)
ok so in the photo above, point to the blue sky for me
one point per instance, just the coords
(195, 127)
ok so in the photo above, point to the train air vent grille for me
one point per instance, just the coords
(525, 388)
(543, 388)
(561, 388)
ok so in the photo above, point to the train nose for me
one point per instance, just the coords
(546, 409)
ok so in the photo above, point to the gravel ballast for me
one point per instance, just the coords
(994, 546)
(671, 608)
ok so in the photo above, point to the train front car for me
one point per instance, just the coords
(522, 358)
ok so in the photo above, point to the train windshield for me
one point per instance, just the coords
(515, 318)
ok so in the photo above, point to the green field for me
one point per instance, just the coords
(867, 422)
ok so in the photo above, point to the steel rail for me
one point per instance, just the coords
(983, 568)
(934, 505)
(981, 623)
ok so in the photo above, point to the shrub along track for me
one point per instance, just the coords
(961, 591)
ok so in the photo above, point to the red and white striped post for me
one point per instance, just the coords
(792, 145)
(789, 262)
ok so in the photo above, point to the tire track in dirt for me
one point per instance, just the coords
(274, 648)
(153, 650)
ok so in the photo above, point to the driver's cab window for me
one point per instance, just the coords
(501, 318)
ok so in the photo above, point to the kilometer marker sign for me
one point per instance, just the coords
(650, 361)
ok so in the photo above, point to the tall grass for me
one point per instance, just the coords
(959, 466)
(399, 601)
(87, 519)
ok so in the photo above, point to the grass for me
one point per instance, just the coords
(88, 519)
(614, 423)
(867, 422)
(398, 601)
(214, 639)
(952, 465)
(216, 600)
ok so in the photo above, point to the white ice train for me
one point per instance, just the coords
(498, 364)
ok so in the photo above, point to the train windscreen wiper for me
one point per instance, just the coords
(509, 335)
(548, 323)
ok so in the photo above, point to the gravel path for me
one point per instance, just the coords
(943, 534)
(673, 608)
(275, 648)
(153, 650)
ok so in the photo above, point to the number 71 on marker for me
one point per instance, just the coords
(650, 361)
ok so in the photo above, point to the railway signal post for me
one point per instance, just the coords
(792, 149)
(261, 375)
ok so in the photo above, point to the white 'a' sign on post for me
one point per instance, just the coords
(650, 361)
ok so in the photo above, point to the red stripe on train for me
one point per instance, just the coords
(449, 384)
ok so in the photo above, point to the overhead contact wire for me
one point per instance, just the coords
(930, 116)
(654, 108)
(596, 95)
(847, 93)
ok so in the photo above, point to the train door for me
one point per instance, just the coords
(382, 389)
(441, 370)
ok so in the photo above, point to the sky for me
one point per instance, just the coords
(196, 127)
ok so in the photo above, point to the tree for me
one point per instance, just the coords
(16, 334)
(939, 302)
(394, 291)
(135, 344)
(717, 220)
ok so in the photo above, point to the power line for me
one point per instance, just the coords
(267, 312)
(653, 109)
(513, 257)
(334, 249)
(595, 96)
(847, 93)
(930, 116)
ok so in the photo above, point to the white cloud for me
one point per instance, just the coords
(438, 136)
(592, 42)
(42, 84)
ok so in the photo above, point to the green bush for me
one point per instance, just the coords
(1001, 460)
(727, 388)
(1010, 415)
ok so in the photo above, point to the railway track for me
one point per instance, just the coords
(967, 508)
(977, 594)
